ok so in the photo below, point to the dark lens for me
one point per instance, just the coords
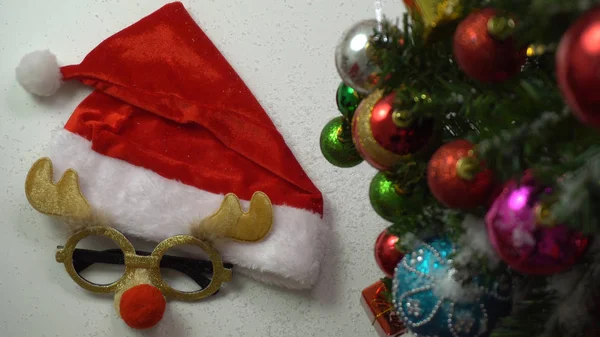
(185, 268)
(98, 260)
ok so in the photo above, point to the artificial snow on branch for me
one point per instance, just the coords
(474, 243)
(575, 292)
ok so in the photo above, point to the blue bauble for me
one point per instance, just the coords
(425, 306)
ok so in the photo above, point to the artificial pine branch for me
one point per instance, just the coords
(511, 152)
(579, 193)
(542, 21)
(388, 295)
(519, 124)
(428, 83)
(530, 313)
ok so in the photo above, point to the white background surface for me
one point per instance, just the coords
(283, 49)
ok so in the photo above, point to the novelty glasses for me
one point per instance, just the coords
(76, 260)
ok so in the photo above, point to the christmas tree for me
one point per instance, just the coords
(480, 116)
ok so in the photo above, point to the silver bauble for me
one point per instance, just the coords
(351, 58)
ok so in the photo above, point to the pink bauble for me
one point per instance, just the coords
(521, 242)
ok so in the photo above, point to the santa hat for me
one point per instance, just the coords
(168, 131)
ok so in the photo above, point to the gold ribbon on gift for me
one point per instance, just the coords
(381, 314)
(380, 303)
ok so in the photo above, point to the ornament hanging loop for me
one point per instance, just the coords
(540, 49)
(501, 27)
(344, 135)
(378, 14)
(468, 167)
(402, 118)
(543, 215)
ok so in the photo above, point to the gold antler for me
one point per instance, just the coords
(62, 199)
(233, 223)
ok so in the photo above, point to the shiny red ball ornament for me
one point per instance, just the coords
(482, 56)
(400, 140)
(457, 179)
(578, 67)
(380, 136)
(386, 254)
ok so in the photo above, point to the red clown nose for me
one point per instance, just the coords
(142, 306)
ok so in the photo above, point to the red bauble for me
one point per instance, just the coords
(578, 67)
(480, 55)
(447, 184)
(382, 142)
(396, 139)
(386, 254)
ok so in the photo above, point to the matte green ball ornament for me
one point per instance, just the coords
(347, 100)
(336, 144)
(387, 199)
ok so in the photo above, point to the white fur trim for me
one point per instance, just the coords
(39, 73)
(147, 205)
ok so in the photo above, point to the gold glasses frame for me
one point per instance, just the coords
(150, 263)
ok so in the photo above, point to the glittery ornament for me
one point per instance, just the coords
(337, 146)
(483, 56)
(578, 66)
(435, 14)
(427, 304)
(387, 255)
(516, 229)
(384, 136)
(387, 198)
(352, 59)
(457, 179)
(347, 100)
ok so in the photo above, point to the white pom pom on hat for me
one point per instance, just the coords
(39, 73)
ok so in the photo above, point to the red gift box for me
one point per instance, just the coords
(381, 312)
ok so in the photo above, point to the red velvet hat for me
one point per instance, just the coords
(168, 130)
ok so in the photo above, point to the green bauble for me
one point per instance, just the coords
(347, 100)
(337, 146)
(386, 201)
